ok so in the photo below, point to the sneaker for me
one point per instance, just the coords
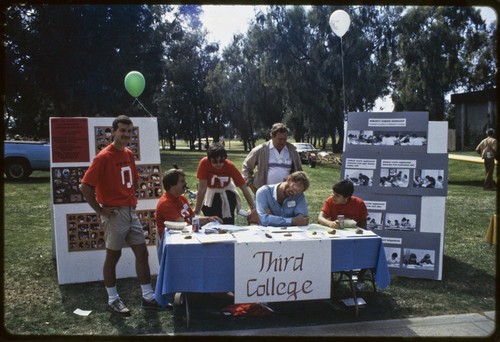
(119, 308)
(151, 304)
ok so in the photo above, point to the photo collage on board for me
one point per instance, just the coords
(66, 184)
(86, 234)
(103, 137)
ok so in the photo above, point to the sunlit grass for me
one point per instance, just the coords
(35, 304)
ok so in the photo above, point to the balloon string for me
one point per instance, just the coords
(343, 81)
(147, 111)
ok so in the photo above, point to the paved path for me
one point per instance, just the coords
(465, 325)
(466, 158)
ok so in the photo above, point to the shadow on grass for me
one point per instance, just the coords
(473, 290)
(474, 183)
(206, 313)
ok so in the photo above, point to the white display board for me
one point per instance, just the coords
(398, 162)
(279, 272)
(78, 238)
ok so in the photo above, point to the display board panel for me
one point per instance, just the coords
(398, 163)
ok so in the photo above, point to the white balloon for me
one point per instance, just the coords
(340, 22)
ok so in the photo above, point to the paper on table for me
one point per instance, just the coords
(250, 236)
(227, 227)
(80, 312)
(284, 229)
(351, 232)
(318, 227)
(213, 238)
(313, 234)
(289, 236)
(182, 238)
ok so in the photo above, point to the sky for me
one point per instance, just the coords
(223, 21)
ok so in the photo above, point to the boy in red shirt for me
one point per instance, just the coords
(342, 202)
(109, 187)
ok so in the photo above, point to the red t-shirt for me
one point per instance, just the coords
(170, 208)
(114, 175)
(219, 178)
(355, 209)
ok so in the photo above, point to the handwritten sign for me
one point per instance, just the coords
(282, 271)
(69, 140)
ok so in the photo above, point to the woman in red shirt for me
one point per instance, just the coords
(218, 178)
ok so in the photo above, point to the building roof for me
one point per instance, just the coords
(475, 96)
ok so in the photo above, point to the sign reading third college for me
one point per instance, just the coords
(273, 271)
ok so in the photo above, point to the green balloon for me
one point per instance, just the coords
(135, 83)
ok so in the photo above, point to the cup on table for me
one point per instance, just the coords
(341, 218)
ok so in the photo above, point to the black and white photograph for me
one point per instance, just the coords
(429, 179)
(394, 177)
(374, 220)
(419, 258)
(393, 256)
(401, 222)
(359, 177)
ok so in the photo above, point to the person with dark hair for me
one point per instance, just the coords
(342, 202)
(426, 260)
(393, 260)
(487, 148)
(284, 203)
(173, 204)
(276, 159)
(363, 179)
(109, 186)
(218, 178)
(430, 182)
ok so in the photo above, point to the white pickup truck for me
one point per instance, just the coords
(21, 158)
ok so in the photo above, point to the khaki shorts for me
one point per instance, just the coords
(122, 229)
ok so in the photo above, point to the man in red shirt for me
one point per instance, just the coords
(342, 202)
(173, 204)
(109, 187)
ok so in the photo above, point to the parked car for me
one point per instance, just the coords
(23, 157)
(308, 154)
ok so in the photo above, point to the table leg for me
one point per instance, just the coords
(353, 291)
(188, 314)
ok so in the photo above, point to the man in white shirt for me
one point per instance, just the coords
(276, 159)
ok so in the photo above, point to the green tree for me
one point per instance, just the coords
(437, 52)
(59, 58)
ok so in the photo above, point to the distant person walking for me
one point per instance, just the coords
(487, 148)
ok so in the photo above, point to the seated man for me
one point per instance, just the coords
(173, 204)
(284, 204)
(342, 202)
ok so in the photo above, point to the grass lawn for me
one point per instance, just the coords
(34, 304)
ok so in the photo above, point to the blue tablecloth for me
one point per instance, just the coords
(196, 267)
